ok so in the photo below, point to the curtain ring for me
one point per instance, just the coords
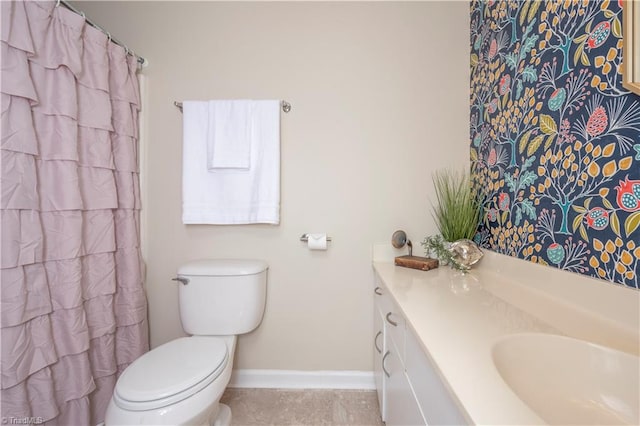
(58, 3)
(126, 50)
(83, 15)
(109, 35)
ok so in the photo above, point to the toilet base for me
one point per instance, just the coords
(224, 416)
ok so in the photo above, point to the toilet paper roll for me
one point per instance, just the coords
(317, 241)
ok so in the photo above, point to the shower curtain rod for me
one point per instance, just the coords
(142, 61)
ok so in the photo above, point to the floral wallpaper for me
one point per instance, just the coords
(555, 138)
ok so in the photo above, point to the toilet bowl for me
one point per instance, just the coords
(181, 382)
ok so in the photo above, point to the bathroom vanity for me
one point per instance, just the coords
(452, 348)
(410, 391)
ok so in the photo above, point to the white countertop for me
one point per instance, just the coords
(457, 318)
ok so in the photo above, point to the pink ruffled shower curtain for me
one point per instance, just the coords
(73, 304)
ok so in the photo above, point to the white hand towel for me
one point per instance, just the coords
(229, 138)
(227, 196)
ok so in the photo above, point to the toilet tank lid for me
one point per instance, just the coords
(223, 267)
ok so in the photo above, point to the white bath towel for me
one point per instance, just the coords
(229, 135)
(229, 196)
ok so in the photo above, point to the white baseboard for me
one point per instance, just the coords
(293, 379)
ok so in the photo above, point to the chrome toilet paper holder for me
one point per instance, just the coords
(305, 238)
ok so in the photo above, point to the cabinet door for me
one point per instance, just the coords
(438, 405)
(401, 405)
(378, 352)
(394, 329)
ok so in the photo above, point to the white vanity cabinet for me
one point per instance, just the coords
(410, 392)
(398, 404)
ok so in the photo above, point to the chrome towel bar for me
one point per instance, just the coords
(286, 106)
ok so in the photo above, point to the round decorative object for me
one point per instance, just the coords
(399, 239)
(466, 253)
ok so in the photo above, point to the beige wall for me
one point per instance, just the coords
(380, 99)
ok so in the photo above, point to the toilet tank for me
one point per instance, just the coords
(222, 296)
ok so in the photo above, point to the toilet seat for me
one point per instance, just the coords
(171, 372)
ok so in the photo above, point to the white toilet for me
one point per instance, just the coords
(181, 382)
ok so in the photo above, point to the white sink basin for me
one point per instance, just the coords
(569, 381)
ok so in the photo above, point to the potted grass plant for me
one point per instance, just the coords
(457, 215)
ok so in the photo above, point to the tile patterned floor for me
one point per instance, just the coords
(288, 407)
